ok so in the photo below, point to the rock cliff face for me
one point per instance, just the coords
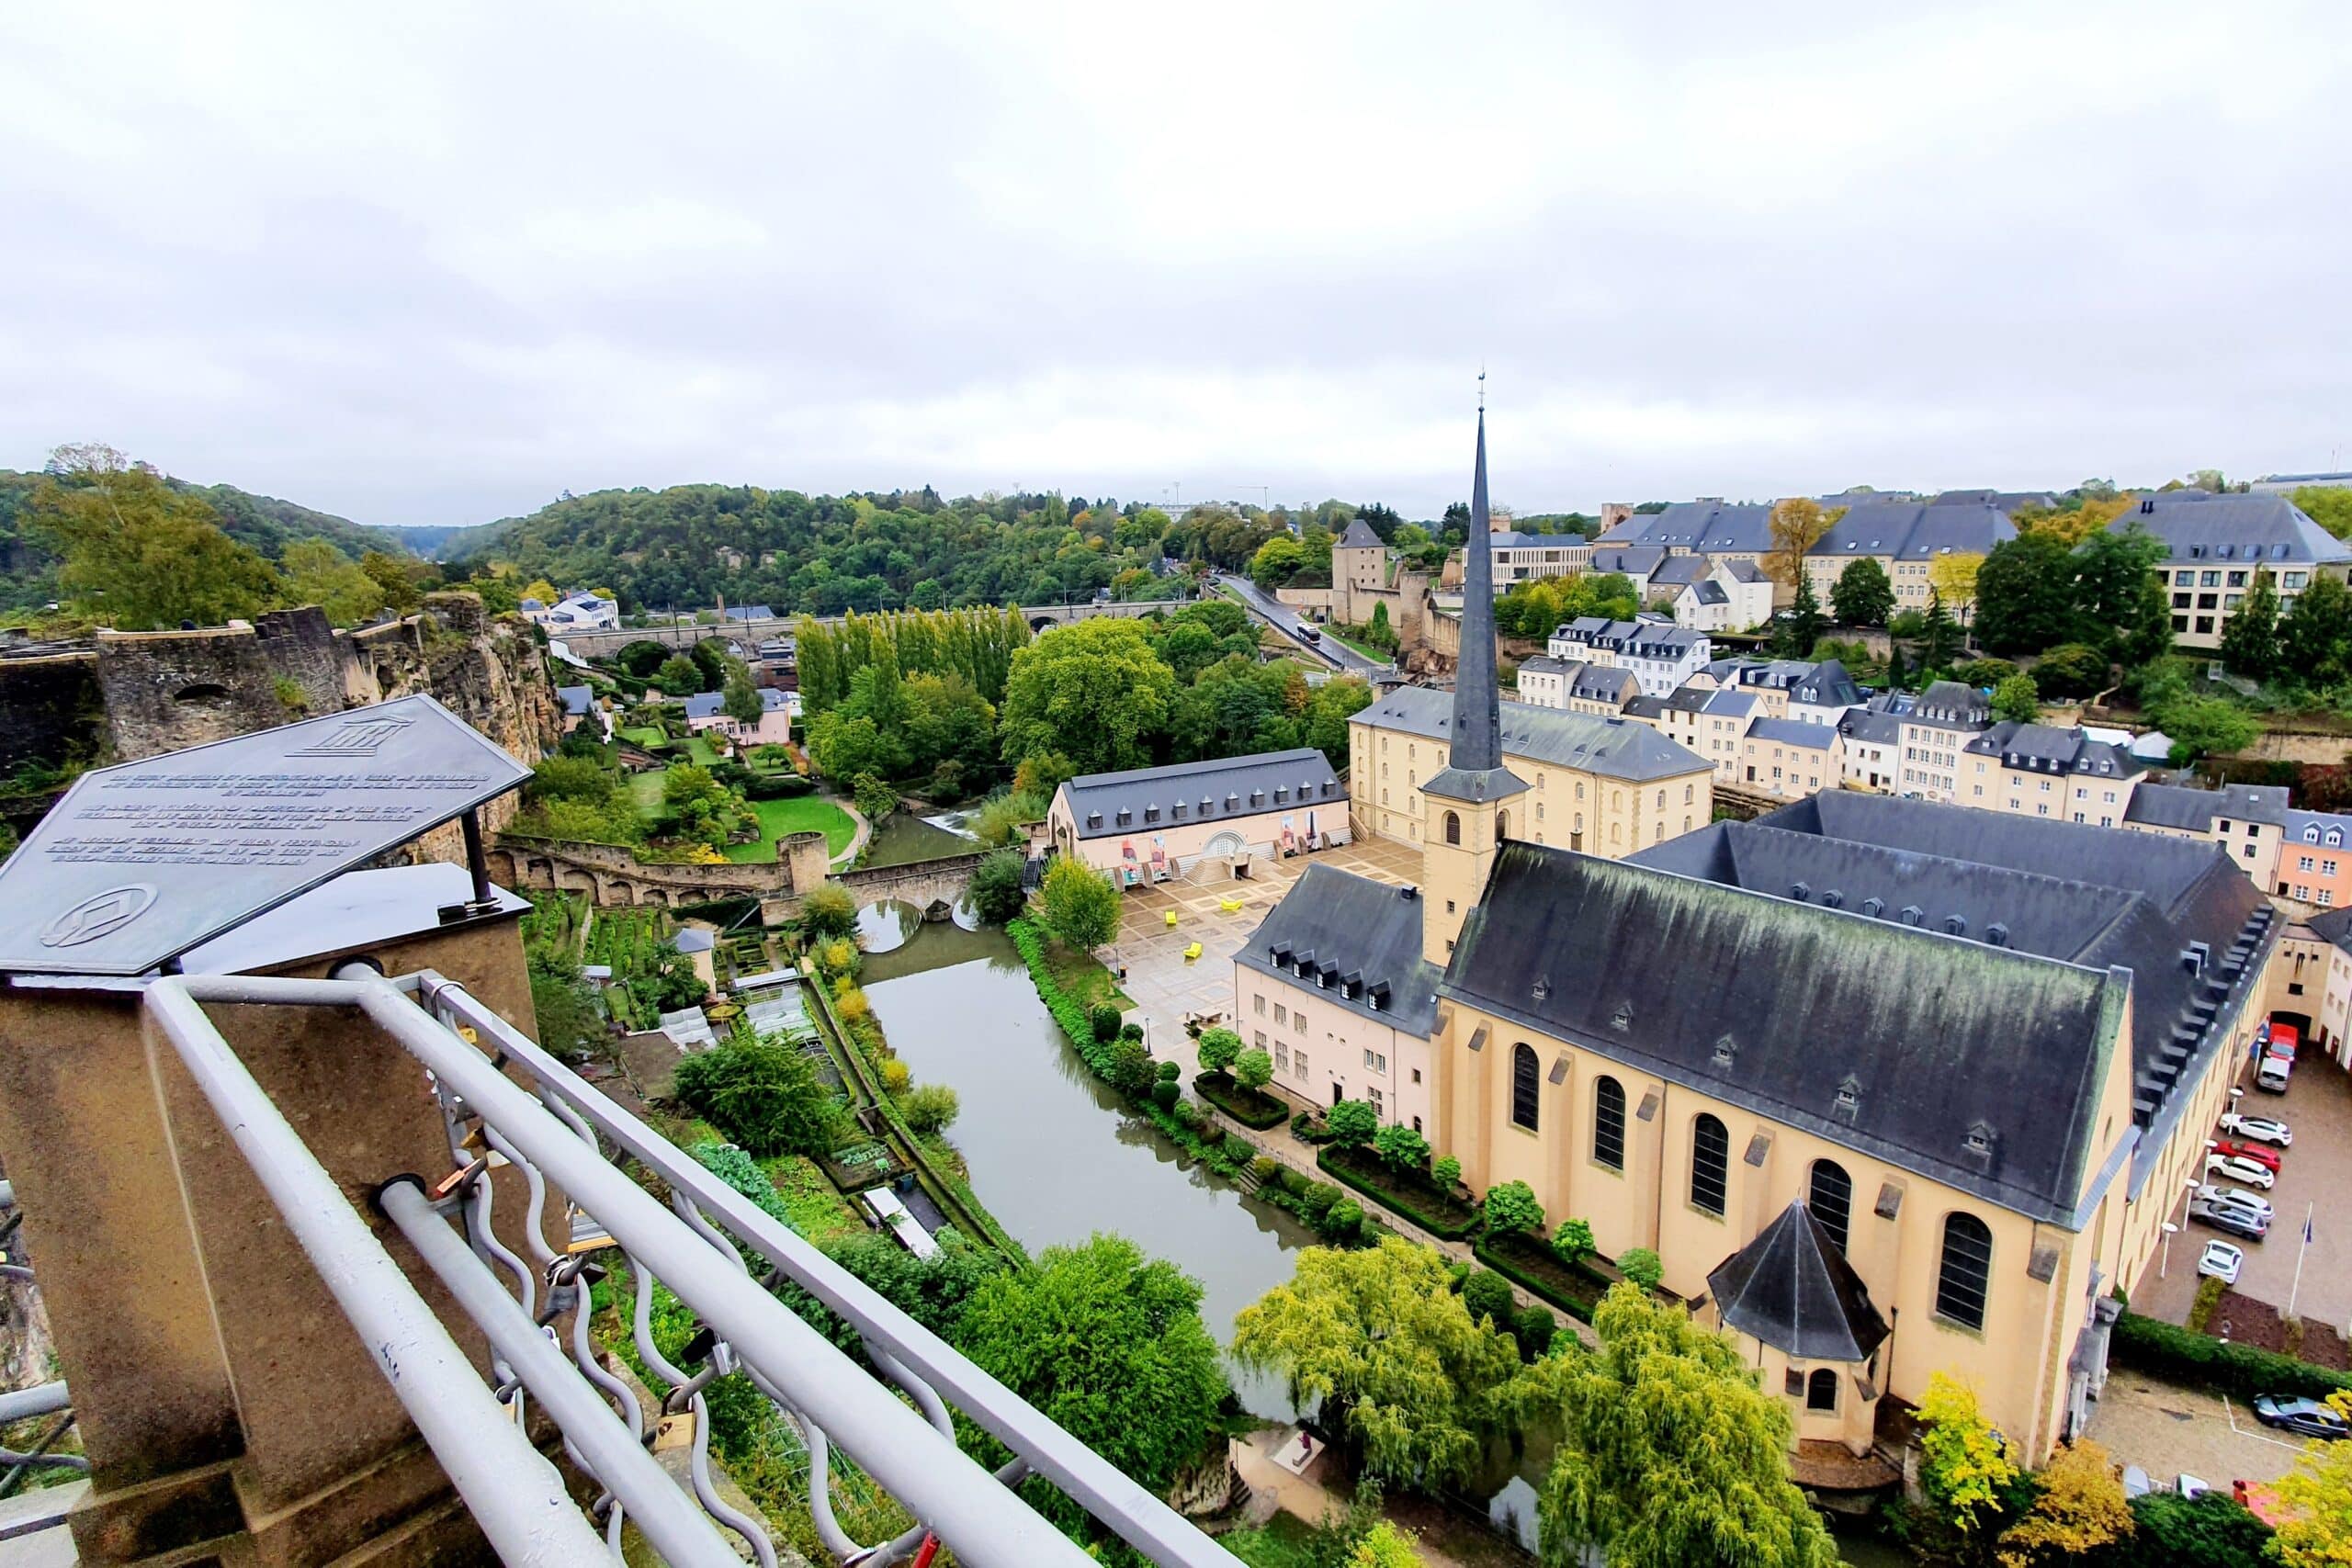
(132, 695)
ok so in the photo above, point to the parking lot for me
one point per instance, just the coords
(2168, 1430)
(2316, 1171)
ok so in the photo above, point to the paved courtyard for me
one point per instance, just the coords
(2318, 1107)
(2166, 1430)
(1165, 985)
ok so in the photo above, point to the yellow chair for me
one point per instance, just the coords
(1192, 952)
(1230, 905)
(1172, 920)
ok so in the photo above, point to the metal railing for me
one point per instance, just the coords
(17, 1465)
(559, 1130)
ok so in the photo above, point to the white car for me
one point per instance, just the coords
(2238, 1169)
(2222, 1260)
(2234, 1197)
(2259, 1129)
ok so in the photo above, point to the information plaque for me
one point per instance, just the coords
(142, 861)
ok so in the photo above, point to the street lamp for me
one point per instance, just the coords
(2170, 1231)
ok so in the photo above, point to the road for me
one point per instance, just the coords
(1264, 606)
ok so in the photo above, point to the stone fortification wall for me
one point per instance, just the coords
(132, 695)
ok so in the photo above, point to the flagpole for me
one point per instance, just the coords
(2306, 1246)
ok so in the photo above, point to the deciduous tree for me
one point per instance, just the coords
(1108, 1344)
(2316, 640)
(2330, 506)
(1380, 1337)
(2250, 636)
(2015, 697)
(1081, 907)
(2025, 595)
(1354, 1123)
(1670, 1456)
(1862, 596)
(1954, 576)
(1219, 1048)
(1797, 525)
(763, 1094)
(139, 555)
(1966, 1468)
(1401, 1148)
(997, 892)
(1510, 1207)
(1253, 1069)
(2080, 1511)
(1094, 692)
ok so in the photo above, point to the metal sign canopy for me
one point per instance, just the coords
(140, 861)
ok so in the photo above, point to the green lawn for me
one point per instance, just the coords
(808, 813)
(700, 751)
(646, 735)
(1364, 649)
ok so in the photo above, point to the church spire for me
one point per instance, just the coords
(1475, 768)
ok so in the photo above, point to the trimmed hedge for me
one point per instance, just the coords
(1226, 1096)
(1527, 1263)
(2243, 1372)
(1348, 1164)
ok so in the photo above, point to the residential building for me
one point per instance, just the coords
(579, 704)
(1905, 538)
(2214, 545)
(1788, 758)
(1661, 655)
(2325, 994)
(1333, 988)
(1946, 717)
(1543, 680)
(1605, 784)
(1643, 1043)
(1824, 694)
(1204, 820)
(1732, 596)
(1722, 729)
(1522, 558)
(2287, 484)
(574, 612)
(1603, 691)
(706, 714)
(2039, 769)
(1870, 744)
(2247, 820)
(2314, 866)
(1635, 562)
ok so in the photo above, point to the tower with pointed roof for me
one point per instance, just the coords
(1468, 802)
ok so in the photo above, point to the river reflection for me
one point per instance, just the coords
(888, 925)
(1053, 1152)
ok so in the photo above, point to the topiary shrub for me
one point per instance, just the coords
(1343, 1221)
(1642, 1265)
(1103, 1019)
(1131, 1031)
(1488, 1294)
(1533, 1327)
(1166, 1092)
(1171, 1071)
(1264, 1168)
(1295, 1181)
(1446, 1171)
(1573, 1241)
(1316, 1200)
(1512, 1207)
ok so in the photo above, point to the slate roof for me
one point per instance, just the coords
(1653, 640)
(1917, 530)
(1517, 541)
(1219, 789)
(706, 705)
(1708, 527)
(1948, 705)
(1870, 727)
(1544, 664)
(2043, 747)
(2310, 830)
(1358, 940)
(1688, 697)
(1638, 560)
(1646, 707)
(1778, 675)
(1791, 1288)
(2125, 899)
(749, 613)
(1604, 683)
(2334, 926)
(1829, 685)
(1730, 702)
(1792, 732)
(2269, 530)
(1677, 571)
(577, 700)
(1744, 570)
(1609, 747)
(1359, 537)
(1709, 591)
(2186, 808)
(1976, 1067)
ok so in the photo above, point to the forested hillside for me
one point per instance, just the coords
(823, 555)
(265, 524)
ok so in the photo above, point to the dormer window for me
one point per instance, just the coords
(1978, 1145)
(1176, 812)
(2334, 837)
(1727, 1050)
(1850, 1095)
(1874, 908)
(2311, 834)
(1997, 935)
(1151, 814)
(1094, 818)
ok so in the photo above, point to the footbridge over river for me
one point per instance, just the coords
(612, 876)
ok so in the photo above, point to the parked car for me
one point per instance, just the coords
(2253, 1204)
(2222, 1261)
(2238, 1169)
(2261, 1153)
(2308, 1416)
(2272, 1076)
(2260, 1129)
(2228, 1217)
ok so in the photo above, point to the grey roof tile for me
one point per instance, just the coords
(1358, 940)
(1610, 747)
(1224, 787)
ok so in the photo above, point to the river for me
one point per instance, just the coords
(1057, 1157)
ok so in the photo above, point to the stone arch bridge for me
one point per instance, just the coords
(611, 877)
(601, 643)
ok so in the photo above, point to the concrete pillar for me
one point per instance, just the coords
(223, 1396)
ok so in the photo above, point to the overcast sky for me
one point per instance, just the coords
(422, 264)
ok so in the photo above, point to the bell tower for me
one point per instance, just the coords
(1468, 803)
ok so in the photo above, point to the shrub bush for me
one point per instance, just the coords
(777, 786)
(1316, 1200)
(1352, 1121)
(1218, 1049)
(1169, 1070)
(895, 1075)
(1166, 1092)
(2209, 1296)
(1642, 1265)
(1308, 1129)
(1105, 1020)
(1488, 1294)
(1250, 1107)
(1531, 1266)
(1238, 1148)
(1402, 1147)
(930, 1107)
(1131, 1030)
(1343, 1221)
(1573, 1240)
(997, 892)
(2242, 1372)
(1295, 1181)
(829, 911)
(1446, 1171)
(1533, 1327)
(1511, 1206)
(1264, 1168)
(1439, 1213)
(763, 1094)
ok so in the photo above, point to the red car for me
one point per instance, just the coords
(2261, 1153)
(2285, 1041)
